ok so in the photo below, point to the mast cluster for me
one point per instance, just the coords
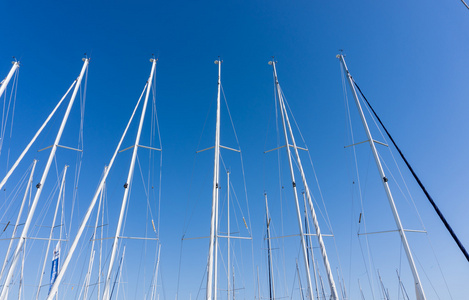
(313, 288)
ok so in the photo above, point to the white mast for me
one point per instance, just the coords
(269, 252)
(106, 295)
(213, 224)
(51, 231)
(228, 234)
(103, 189)
(91, 206)
(420, 295)
(286, 123)
(215, 266)
(41, 184)
(308, 231)
(4, 83)
(21, 285)
(155, 283)
(28, 187)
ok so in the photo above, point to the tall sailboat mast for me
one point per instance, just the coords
(4, 83)
(228, 236)
(216, 175)
(87, 216)
(310, 250)
(107, 295)
(269, 252)
(286, 122)
(420, 295)
(40, 185)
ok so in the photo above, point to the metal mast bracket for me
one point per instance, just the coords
(377, 142)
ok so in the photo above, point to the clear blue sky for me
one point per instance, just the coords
(409, 58)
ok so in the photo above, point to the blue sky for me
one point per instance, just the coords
(409, 58)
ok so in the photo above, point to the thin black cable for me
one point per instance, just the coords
(440, 214)
(465, 4)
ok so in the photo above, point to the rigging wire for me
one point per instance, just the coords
(281, 190)
(421, 221)
(156, 123)
(14, 194)
(347, 134)
(15, 87)
(245, 189)
(465, 4)
(368, 106)
(186, 222)
(370, 257)
(399, 171)
(326, 218)
(435, 207)
(80, 142)
(6, 114)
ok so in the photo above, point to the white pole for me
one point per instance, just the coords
(101, 241)
(156, 273)
(292, 174)
(28, 188)
(228, 234)
(51, 232)
(311, 248)
(269, 252)
(215, 271)
(106, 295)
(66, 262)
(21, 285)
(5, 82)
(34, 138)
(420, 295)
(41, 184)
(214, 193)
